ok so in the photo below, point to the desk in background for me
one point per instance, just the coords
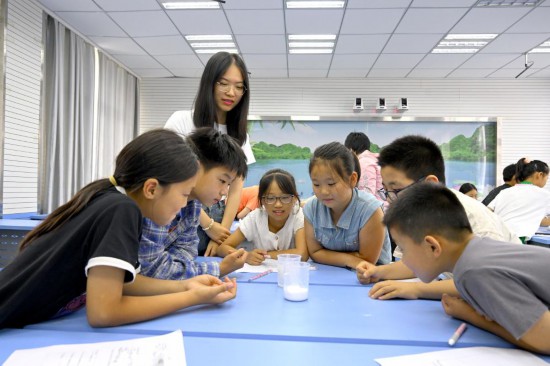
(12, 232)
(541, 238)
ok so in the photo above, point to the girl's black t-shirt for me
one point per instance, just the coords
(50, 273)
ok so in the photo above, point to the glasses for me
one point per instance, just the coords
(285, 200)
(225, 87)
(392, 195)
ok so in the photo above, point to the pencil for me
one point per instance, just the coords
(265, 273)
(458, 332)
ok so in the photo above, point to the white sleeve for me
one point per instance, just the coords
(298, 221)
(248, 151)
(180, 122)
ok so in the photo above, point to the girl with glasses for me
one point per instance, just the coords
(222, 103)
(343, 225)
(276, 227)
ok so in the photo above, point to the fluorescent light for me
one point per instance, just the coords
(311, 44)
(216, 50)
(213, 45)
(540, 50)
(461, 44)
(310, 50)
(253, 117)
(314, 4)
(191, 5)
(455, 50)
(471, 36)
(209, 37)
(497, 3)
(305, 118)
(311, 37)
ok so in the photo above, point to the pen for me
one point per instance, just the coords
(350, 268)
(458, 332)
(260, 275)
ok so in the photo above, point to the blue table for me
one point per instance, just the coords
(542, 237)
(224, 351)
(341, 314)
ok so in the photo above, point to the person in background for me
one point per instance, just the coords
(525, 206)
(343, 225)
(406, 162)
(86, 251)
(501, 285)
(249, 201)
(509, 177)
(170, 251)
(275, 228)
(469, 190)
(370, 179)
(222, 103)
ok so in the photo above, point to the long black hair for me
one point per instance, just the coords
(204, 114)
(159, 154)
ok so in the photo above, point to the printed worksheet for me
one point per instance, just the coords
(471, 356)
(165, 350)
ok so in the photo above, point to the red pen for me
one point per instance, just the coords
(259, 275)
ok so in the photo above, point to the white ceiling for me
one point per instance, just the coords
(375, 38)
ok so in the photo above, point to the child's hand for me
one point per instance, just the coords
(211, 249)
(256, 257)
(458, 308)
(367, 273)
(233, 261)
(386, 290)
(210, 290)
(218, 233)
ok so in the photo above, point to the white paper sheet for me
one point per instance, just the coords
(268, 264)
(165, 350)
(471, 356)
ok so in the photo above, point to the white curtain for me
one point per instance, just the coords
(67, 115)
(89, 112)
(117, 116)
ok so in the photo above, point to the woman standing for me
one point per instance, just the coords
(222, 103)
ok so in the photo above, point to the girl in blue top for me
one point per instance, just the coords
(343, 225)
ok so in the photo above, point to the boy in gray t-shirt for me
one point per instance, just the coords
(504, 287)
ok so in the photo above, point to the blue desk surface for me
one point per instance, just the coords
(228, 351)
(17, 224)
(323, 275)
(332, 314)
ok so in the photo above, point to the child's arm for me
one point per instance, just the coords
(368, 272)
(371, 237)
(230, 244)
(535, 339)
(386, 290)
(217, 232)
(109, 302)
(245, 211)
(326, 256)
(231, 206)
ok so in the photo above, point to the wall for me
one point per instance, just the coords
(22, 106)
(523, 105)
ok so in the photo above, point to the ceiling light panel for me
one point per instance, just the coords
(514, 3)
(191, 5)
(216, 50)
(209, 37)
(542, 48)
(463, 43)
(311, 37)
(310, 43)
(315, 4)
